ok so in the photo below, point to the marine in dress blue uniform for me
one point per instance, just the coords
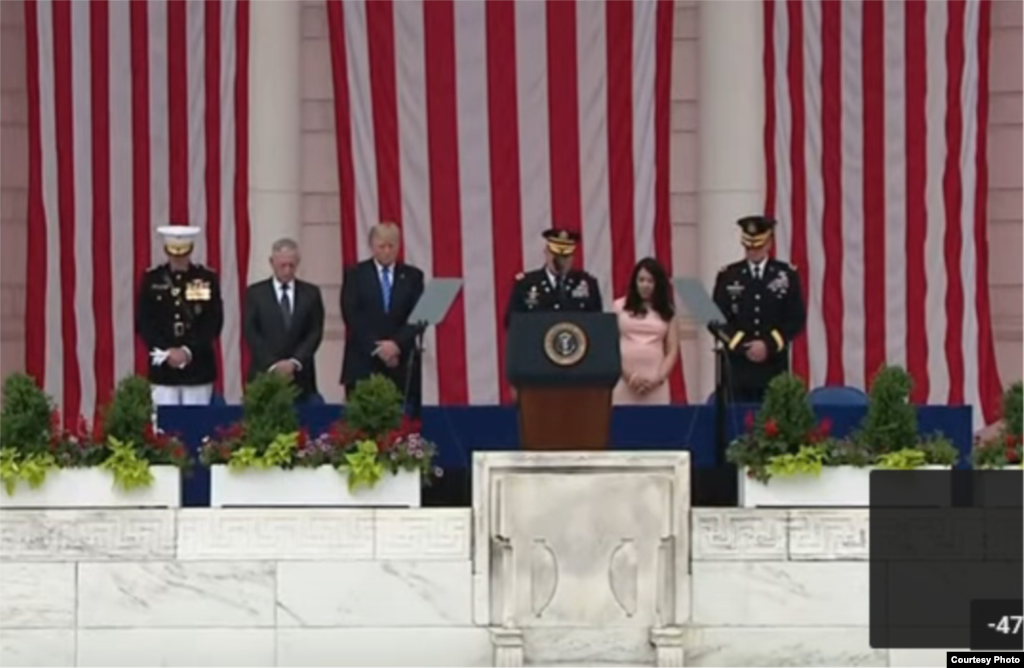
(556, 286)
(179, 317)
(763, 304)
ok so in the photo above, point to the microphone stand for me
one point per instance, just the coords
(419, 329)
(721, 400)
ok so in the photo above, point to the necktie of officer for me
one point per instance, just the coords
(757, 272)
(385, 286)
(286, 305)
(561, 289)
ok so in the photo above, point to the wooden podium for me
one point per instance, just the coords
(564, 366)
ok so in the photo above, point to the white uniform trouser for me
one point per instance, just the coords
(182, 395)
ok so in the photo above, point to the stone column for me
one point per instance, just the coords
(730, 135)
(275, 127)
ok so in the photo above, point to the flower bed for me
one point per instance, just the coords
(121, 461)
(1004, 451)
(786, 459)
(374, 458)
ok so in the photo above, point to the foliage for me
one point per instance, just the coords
(129, 469)
(130, 411)
(902, 460)
(782, 439)
(30, 468)
(25, 416)
(808, 460)
(783, 425)
(76, 444)
(1013, 409)
(891, 420)
(268, 410)
(375, 407)
(374, 440)
(1005, 449)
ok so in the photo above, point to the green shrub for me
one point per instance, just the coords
(130, 411)
(891, 421)
(375, 407)
(268, 410)
(25, 416)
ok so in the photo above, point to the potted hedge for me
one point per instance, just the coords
(373, 458)
(1004, 451)
(787, 459)
(120, 461)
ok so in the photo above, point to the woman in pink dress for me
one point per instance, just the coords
(648, 336)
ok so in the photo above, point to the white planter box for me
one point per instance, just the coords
(321, 486)
(94, 488)
(837, 486)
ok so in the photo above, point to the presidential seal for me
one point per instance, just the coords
(565, 344)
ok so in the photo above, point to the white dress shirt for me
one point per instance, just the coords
(757, 268)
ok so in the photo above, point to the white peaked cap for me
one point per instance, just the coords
(178, 232)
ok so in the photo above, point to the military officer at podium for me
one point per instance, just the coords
(556, 286)
(179, 317)
(764, 309)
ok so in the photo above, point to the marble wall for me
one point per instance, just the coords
(395, 587)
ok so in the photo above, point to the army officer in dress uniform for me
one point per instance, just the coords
(556, 286)
(764, 308)
(179, 317)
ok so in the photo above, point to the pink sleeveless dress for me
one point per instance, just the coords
(642, 346)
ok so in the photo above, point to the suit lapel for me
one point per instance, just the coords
(398, 286)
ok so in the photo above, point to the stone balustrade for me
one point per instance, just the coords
(565, 559)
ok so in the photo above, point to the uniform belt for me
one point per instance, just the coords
(179, 329)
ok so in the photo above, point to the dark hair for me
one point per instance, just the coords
(661, 298)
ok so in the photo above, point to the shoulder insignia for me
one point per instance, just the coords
(520, 276)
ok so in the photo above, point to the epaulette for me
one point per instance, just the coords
(520, 276)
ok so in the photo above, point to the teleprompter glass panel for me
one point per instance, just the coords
(938, 541)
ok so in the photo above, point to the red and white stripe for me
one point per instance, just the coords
(875, 146)
(476, 126)
(147, 104)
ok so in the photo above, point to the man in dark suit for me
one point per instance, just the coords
(377, 298)
(284, 322)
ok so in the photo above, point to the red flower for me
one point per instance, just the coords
(224, 452)
(148, 433)
(303, 438)
(771, 429)
(1010, 440)
(748, 420)
(178, 453)
(825, 427)
(82, 428)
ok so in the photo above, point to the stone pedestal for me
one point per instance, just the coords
(572, 542)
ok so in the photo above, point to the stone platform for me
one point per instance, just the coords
(570, 561)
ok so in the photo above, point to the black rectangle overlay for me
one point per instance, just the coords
(997, 624)
(940, 540)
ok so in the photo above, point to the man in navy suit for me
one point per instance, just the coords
(377, 298)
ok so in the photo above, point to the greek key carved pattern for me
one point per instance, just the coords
(738, 534)
(441, 534)
(828, 535)
(264, 533)
(91, 535)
